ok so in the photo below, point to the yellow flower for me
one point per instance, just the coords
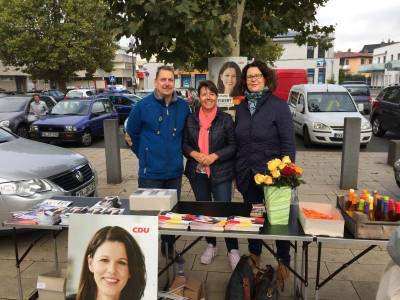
(268, 180)
(259, 178)
(286, 160)
(275, 173)
(282, 166)
(273, 164)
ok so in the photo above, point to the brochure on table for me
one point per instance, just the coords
(144, 230)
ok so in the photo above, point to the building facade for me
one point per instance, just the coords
(385, 67)
(350, 62)
(321, 65)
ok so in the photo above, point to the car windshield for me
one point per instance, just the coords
(133, 98)
(5, 136)
(330, 102)
(358, 90)
(69, 107)
(143, 94)
(12, 104)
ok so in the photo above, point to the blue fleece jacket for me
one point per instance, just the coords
(156, 131)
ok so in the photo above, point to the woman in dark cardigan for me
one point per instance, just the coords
(209, 145)
(264, 130)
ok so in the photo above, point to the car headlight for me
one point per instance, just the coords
(321, 126)
(25, 188)
(34, 128)
(365, 126)
(5, 123)
(70, 128)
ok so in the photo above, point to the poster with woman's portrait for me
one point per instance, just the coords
(226, 72)
(112, 257)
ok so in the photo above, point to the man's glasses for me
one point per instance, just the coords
(254, 77)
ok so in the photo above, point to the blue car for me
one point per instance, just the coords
(74, 121)
(123, 103)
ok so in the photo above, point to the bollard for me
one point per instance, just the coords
(350, 153)
(112, 151)
(393, 152)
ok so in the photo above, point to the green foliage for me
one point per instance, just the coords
(269, 52)
(52, 39)
(187, 32)
(350, 77)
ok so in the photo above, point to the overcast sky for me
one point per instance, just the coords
(361, 22)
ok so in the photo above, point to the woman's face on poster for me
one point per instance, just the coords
(109, 266)
(228, 78)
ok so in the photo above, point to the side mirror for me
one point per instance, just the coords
(360, 107)
(300, 108)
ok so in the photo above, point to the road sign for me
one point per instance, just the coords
(112, 78)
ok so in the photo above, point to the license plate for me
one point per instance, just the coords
(87, 190)
(50, 134)
(338, 135)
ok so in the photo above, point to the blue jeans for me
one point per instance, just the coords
(255, 194)
(204, 190)
(175, 183)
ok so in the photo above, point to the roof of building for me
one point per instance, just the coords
(370, 47)
(348, 54)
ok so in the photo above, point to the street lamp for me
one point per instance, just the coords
(133, 64)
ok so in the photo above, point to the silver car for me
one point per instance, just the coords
(31, 171)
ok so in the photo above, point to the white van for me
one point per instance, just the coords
(319, 110)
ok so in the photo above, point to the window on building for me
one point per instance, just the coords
(346, 61)
(391, 57)
(310, 51)
(384, 59)
(379, 60)
(398, 56)
(362, 61)
(186, 81)
(321, 52)
(321, 75)
(310, 75)
(341, 61)
(370, 61)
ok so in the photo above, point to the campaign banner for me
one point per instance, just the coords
(112, 256)
(226, 73)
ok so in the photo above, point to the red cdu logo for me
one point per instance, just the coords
(141, 229)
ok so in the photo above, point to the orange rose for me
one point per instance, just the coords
(268, 180)
(259, 178)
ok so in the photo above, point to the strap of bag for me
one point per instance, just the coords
(246, 287)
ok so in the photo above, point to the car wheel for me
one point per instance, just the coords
(377, 127)
(86, 139)
(363, 146)
(22, 131)
(306, 138)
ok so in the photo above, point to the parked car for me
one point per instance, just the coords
(74, 121)
(80, 93)
(31, 172)
(143, 93)
(56, 94)
(319, 110)
(14, 112)
(123, 103)
(385, 111)
(361, 95)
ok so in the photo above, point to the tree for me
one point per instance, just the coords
(52, 39)
(190, 31)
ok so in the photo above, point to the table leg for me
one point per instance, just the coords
(55, 250)
(17, 264)
(306, 270)
(318, 270)
(295, 267)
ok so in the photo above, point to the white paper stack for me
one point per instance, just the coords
(153, 199)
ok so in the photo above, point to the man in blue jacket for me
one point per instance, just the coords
(155, 126)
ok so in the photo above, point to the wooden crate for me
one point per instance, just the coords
(361, 227)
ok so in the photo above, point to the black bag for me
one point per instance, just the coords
(243, 285)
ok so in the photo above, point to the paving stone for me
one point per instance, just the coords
(357, 272)
(373, 257)
(217, 282)
(40, 267)
(366, 289)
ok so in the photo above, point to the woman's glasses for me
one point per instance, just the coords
(254, 77)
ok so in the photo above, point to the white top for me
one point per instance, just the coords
(389, 286)
(38, 109)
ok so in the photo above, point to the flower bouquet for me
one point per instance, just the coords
(281, 177)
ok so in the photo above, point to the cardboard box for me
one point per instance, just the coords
(361, 227)
(310, 226)
(153, 200)
(51, 286)
(189, 287)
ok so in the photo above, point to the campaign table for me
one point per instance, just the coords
(292, 232)
(348, 239)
